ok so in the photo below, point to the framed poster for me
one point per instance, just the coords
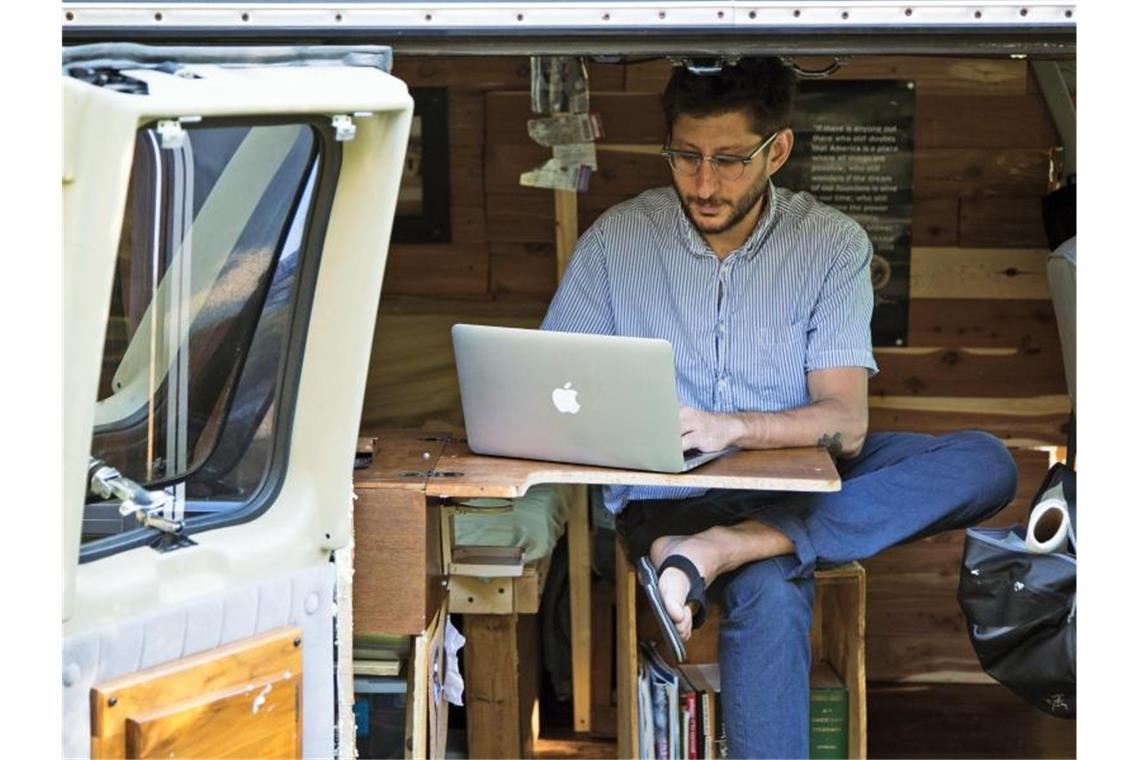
(855, 151)
(423, 206)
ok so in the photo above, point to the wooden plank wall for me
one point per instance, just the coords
(983, 349)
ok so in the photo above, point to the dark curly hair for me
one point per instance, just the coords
(764, 88)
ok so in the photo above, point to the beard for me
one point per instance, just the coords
(739, 209)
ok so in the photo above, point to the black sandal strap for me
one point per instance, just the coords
(696, 595)
(647, 578)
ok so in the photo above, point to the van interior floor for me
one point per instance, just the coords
(905, 721)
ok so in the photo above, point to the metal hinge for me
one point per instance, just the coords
(344, 127)
(171, 135)
(107, 482)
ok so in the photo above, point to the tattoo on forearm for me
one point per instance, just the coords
(832, 443)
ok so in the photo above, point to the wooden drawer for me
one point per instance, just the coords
(397, 583)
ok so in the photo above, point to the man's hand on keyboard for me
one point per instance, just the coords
(709, 431)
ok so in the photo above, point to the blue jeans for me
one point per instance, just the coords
(901, 487)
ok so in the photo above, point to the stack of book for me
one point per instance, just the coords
(679, 715)
(378, 655)
(678, 710)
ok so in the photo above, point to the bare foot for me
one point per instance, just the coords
(703, 550)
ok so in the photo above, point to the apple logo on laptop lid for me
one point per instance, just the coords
(566, 399)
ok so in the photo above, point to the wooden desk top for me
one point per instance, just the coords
(443, 465)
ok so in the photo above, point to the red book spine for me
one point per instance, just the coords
(691, 703)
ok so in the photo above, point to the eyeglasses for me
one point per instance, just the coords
(728, 168)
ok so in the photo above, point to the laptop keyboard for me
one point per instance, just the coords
(692, 454)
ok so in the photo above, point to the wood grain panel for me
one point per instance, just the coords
(968, 372)
(983, 121)
(919, 658)
(930, 74)
(523, 270)
(466, 172)
(957, 172)
(913, 604)
(934, 221)
(941, 75)
(466, 72)
(411, 378)
(1028, 325)
(179, 687)
(1012, 222)
(468, 224)
(489, 72)
(529, 217)
(978, 273)
(606, 77)
(465, 117)
(521, 217)
(455, 270)
(1043, 420)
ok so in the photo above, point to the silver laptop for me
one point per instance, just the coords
(571, 397)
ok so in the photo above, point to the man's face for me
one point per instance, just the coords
(713, 203)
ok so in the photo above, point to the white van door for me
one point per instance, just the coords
(227, 213)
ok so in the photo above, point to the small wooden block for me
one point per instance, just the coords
(482, 596)
(259, 720)
(173, 707)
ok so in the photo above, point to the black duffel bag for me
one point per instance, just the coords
(1021, 606)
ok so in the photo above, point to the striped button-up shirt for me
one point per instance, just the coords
(746, 329)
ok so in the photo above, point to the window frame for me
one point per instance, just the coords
(328, 154)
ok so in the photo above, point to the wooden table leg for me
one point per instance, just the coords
(578, 544)
(626, 590)
(491, 668)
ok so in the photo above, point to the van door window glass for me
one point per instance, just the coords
(197, 334)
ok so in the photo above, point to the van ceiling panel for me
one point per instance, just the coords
(514, 27)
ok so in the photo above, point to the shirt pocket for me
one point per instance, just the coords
(775, 366)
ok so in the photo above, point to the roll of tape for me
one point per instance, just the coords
(1049, 527)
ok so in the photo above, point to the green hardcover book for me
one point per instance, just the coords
(828, 715)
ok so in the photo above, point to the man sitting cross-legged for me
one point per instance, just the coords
(766, 298)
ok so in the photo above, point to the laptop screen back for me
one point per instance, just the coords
(590, 399)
